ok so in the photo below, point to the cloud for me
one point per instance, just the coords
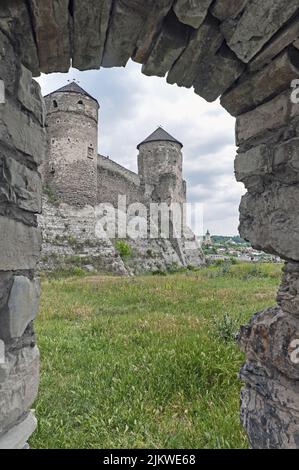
(132, 106)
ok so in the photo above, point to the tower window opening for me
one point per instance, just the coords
(80, 102)
(55, 104)
(90, 152)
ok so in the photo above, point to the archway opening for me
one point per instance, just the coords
(134, 326)
(218, 50)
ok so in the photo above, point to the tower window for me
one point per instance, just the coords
(80, 102)
(55, 105)
(52, 169)
(90, 152)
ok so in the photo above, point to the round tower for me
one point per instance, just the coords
(72, 139)
(160, 161)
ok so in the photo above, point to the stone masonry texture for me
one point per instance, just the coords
(22, 150)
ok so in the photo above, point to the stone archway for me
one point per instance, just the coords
(246, 51)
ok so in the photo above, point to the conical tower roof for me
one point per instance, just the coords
(160, 135)
(73, 87)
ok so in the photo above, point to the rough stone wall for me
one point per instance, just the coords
(70, 241)
(22, 149)
(152, 255)
(72, 141)
(115, 180)
(268, 164)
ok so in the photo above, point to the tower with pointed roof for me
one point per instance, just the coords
(72, 133)
(160, 161)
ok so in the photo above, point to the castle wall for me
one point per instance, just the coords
(70, 241)
(72, 134)
(115, 180)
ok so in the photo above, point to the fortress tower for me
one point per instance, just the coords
(160, 162)
(72, 133)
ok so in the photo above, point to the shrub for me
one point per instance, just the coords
(174, 268)
(192, 268)
(51, 195)
(159, 272)
(123, 249)
(77, 271)
(64, 272)
(227, 327)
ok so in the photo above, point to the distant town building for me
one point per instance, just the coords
(207, 240)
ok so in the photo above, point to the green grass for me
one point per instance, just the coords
(148, 361)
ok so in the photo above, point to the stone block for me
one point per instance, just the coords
(16, 23)
(6, 280)
(288, 294)
(224, 9)
(192, 12)
(17, 436)
(29, 94)
(253, 164)
(91, 19)
(19, 378)
(202, 45)
(151, 28)
(286, 36)
(126, 24)
(8, 64)
(52, 26)
(216, 74)
(23, 305)
(267, 340)
(258, 22)
(273, 386)
(21, 186)
(268, 219)
(286, 162)
(167, 48)
(267, 425)
(280, 162)
(19, 245)
(257, 88)
(268, 116)
(18, 130)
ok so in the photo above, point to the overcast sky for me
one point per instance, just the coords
(132, 106)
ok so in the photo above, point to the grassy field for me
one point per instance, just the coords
(148, 361)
